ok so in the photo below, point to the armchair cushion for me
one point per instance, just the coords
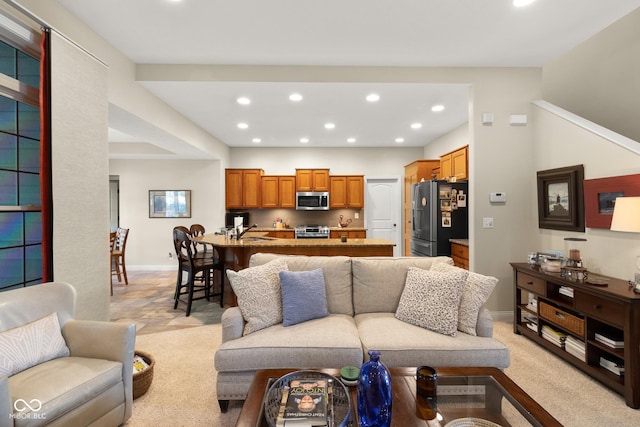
(31, 344)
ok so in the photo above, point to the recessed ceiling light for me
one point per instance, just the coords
(304, 140)
(437, 108)
(521, 3)
(329, 125)
(416, 125)
(295, 97)
(242, 125)
(399, 140)
(351, 140)
(256, 140)
(373, 97)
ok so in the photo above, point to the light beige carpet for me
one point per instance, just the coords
(183, 388)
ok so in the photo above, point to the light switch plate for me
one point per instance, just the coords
(487, 222)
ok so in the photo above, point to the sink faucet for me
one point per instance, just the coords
(240, 234)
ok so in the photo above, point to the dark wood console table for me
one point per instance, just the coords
(605, 321)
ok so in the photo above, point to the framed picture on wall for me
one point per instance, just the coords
(169, 203)
(600, 197)
(561, 199)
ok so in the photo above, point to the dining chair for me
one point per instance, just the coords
(112, 240)
(203, 250)
(187, 263)
(118, 247)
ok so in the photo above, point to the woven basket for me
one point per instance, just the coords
(142, 380)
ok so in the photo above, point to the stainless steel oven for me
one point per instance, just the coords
(312, 232)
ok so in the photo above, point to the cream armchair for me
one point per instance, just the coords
(91, 386)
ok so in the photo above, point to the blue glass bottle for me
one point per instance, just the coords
(374, 393)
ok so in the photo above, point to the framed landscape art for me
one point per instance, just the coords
(169, 203)
(560, 198)
(600, 197)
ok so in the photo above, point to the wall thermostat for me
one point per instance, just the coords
(498, 197)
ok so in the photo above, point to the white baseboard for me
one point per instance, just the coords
(502, 316)
(152, 267)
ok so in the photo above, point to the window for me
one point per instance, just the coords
(20, 203)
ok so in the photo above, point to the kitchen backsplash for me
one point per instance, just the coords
(266, 217)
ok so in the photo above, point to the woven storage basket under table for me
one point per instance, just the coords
(142, 380)
(566, 320)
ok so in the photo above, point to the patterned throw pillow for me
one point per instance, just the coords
(303, 296)
(31, 344)
(475, 293)
(258, 293)
(431, 299)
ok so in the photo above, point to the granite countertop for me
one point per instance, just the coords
(463, 242)
(267, 229)
(263, 241)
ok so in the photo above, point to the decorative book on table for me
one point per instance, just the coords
(304, 403)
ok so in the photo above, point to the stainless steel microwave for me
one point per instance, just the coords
(312, 201)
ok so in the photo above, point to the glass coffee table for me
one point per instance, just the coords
(480, 393)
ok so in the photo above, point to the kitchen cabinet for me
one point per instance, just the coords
(599, 323)
(243, 188)
(351, 234)
(414, 172)
(282, 234)
(278, 191)
(312, 179)
(455, 164)
(346, 191)
(460, 255)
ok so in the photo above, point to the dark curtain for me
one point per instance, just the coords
(45, 158)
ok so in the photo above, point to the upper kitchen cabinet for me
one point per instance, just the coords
(455, 164)
(347, 191)
(312, 179)
(278, 191)
(242, 188)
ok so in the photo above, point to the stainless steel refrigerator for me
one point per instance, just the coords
(439, 212)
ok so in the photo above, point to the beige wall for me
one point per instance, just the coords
(600, 79)
(457, 138)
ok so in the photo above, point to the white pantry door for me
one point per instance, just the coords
(383, 211)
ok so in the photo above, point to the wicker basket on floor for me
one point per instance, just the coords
(142, 380)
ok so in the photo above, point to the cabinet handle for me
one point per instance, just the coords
(597, 306)
(529, 283)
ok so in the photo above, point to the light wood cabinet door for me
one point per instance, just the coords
(351, 234)
(446, 167)
(459, 164)
(355, 191)
(287, 190)
(243, 188)
(346, 191)
(312, 180)
(270, 192)
(338, 192)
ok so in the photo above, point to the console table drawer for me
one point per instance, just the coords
(531, 283)
(610, 311)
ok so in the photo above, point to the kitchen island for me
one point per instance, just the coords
(236, 253)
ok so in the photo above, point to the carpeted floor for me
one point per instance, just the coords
(183, 388)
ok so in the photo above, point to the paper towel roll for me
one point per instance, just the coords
(237, 222)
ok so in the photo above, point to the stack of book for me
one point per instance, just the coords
(575, 347)
(532, 302)
(304, 403)
(566, 291)
(612, 366)
(609, 342)
(553, 336)
(532, 322)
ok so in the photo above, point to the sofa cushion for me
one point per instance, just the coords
(258, 293)
(401, 344)
(337, 276)
(331, 341)
(477, 289)
(431, 299)
(303, 296)
(65, 384)
(378, 281)
(31, 344)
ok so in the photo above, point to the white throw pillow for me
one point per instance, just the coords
(258, 293)
(475, 293)
(431, 299)
(31, 344)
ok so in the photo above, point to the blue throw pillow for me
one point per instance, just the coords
(303, 296)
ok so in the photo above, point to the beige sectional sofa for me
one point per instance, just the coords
(362, 298)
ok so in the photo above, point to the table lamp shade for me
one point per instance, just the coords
(626, 215)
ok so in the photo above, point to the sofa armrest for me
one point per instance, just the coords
(105, 340)
(5, 403)
(232, 324)
(484, 327)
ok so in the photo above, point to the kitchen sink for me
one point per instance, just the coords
(257, 239)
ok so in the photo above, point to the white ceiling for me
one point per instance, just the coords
(391, 33)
